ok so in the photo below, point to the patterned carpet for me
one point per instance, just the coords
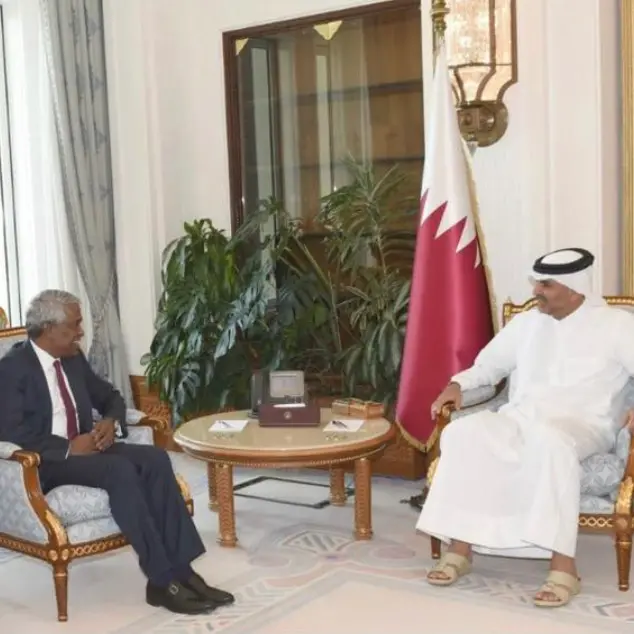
(297, 570)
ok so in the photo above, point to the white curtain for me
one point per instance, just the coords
(45, 254)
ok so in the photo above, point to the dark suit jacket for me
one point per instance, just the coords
(26, 411)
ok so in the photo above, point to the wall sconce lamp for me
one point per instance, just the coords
(480, 39)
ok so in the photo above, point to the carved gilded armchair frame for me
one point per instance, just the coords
(59, 551)
(620, 523)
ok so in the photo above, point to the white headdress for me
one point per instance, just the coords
(571, 267)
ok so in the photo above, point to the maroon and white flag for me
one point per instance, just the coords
(449, 318)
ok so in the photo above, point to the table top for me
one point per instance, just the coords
(281, 443)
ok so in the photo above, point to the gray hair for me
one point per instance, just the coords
(47, 308)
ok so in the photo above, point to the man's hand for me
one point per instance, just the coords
(82, 445)
(104, 434)
(629, 421)
(451, 394)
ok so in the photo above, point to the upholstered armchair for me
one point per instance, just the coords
(607, 480)
(69, 522)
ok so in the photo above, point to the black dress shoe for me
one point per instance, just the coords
(179, 599)
(198, 585)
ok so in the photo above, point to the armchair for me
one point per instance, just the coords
(607, 480)
(69, 522)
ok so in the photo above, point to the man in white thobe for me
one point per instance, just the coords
(508, 482)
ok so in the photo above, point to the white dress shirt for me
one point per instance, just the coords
(59, 427)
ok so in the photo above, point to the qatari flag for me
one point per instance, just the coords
(449, 318)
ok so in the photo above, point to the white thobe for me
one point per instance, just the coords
(509, 482)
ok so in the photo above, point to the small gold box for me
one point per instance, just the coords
(357, 408)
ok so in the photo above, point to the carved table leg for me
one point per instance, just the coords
(60, 576)
(226, 514)
(211, 483)
(337, 487)
(363, 499)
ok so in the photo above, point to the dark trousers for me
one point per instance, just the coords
(145, 500)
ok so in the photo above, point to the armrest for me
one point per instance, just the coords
(24, 512)
(624, 502)
(159, 426)
(472, 401)
(629, 466)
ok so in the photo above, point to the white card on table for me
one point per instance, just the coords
(229, 426)
(348, 424)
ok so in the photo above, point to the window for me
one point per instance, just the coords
(308, 95)
(35, 248)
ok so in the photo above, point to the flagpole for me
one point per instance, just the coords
(439, 12)
(475, 205)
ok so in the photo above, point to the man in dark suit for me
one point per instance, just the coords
(47, 393)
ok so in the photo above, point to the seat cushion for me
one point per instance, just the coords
(74, 504)
(601, 474)
(596, 505)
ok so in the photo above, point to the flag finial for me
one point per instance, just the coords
(439, 12)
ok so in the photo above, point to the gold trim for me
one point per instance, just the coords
(240, 44)
(282, 462)
(439, 12)
(623, 504)
(627, 122)
(184, 487)
(431, 472)
(12, 332)
(424, 447)
(329, 29)
(57, 527)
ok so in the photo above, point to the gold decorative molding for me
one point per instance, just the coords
(240, 44)
(627, 120)
(439, 12)
(329, 29)
(623, 504)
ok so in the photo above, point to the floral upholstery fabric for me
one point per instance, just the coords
(7, 342)
(17, 517)
(94, 529)
(601, 473)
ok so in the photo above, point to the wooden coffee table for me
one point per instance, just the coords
(286, 447)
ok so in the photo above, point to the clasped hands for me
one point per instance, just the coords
(99, 439)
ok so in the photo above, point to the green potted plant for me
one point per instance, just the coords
(370, 243)
(262, 301)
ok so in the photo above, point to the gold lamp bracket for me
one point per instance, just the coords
(483, 121)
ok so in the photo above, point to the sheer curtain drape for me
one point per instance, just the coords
(46, 258)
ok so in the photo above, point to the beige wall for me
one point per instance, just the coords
(552, 181)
